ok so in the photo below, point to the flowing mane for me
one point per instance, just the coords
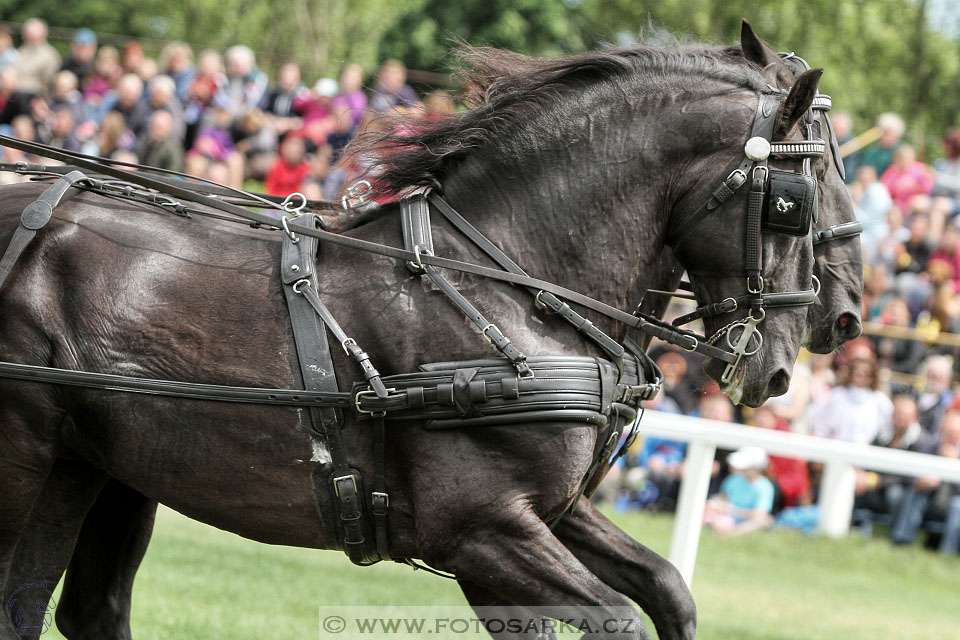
(504, 89)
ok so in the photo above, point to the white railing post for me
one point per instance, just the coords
(837, 488)
(693, 497)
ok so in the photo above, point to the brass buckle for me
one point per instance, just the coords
(336, 484)
(367, 392)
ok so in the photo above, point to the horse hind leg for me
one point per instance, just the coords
(514, 554)
(97, 592)
(632, 569)
(27, 445)
(46, 542)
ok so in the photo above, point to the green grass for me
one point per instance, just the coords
(197, 582)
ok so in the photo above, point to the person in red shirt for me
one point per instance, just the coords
(289, 170)
(789, 473)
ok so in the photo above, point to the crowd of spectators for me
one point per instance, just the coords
(885, 388)
(213, 115)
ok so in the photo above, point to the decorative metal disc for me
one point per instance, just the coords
(757, 149)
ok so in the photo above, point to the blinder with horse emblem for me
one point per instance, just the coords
(791, 203)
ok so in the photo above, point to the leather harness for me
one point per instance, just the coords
(443, 395)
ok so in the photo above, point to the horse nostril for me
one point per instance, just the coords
(779, 383)
(848, 327)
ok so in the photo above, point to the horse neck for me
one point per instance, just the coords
(586, 208)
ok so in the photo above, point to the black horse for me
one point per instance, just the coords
(557, 165)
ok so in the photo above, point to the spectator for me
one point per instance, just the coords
(932, 402)
(161, 148)
(929, 499)
(278, 102)
(905, 177)
(38, 61)
(176, 61)
(83, 49)
(245, 85)
(872, 203)
(126, 99)
(106, 72)
(675, 381)
(161, 94)
(113, 135)
(65, 94)
(745, 500)
(257, 141)
(62, 130)
(946, 170)
(879, 154)
(843, 128)
(132, 57)
(898, 354)
(879, 494)
(8, 53)
(13, 101)
(856, 411)
(351, 92)
(148, 70)
(947, 254)
(290, 169)
(214, 144)
(438, 104)
(391, 89)
(316, 109)
(789, 474)
(207, 81)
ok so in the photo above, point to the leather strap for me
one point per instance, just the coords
(838, 232)
(35, 216)
(543, 298)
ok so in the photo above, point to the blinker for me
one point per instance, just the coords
(791, 203)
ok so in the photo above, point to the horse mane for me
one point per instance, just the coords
(502, 89)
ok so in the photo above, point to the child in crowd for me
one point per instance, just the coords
(290, 169)
(745, 501)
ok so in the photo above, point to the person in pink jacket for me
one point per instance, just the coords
(906, 177)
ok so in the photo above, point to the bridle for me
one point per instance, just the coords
(779, 201)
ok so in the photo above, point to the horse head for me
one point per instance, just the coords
(834, 318)
(748, 246)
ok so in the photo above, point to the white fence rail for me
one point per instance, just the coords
(837, 483)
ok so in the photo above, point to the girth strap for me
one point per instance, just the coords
(35, 216)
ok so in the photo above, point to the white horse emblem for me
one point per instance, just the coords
(783, 206)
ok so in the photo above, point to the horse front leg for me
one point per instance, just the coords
(511, 552)
(632, 569)
(489, 605)
(98, 589)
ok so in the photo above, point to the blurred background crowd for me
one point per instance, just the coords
(217, 115)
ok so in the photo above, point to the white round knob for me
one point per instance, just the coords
(757, 149)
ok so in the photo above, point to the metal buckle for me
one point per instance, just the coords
(696, 343)
(347, 342)
(487, 328)
(418, 251)
(369, 391)
(336, 484)
(379, 494)
(742, 177)
(760, 290)
(537, 302)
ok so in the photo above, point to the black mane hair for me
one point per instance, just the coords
(502, 89)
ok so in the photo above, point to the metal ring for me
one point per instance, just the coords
(299, 285)
(763, 314)
(746, 352)
(760, 290)
(487, 328)
(735, 304)
(293, 237)
(817, 288)
(346, 342)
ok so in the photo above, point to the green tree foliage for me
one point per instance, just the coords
(879, 55)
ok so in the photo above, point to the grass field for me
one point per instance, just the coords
(201, 583)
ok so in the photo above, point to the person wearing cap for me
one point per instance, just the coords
(83, 51)
(745, 499)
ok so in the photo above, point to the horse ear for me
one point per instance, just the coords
(773, 70)
(753, 49)
(797, 103)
